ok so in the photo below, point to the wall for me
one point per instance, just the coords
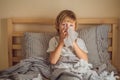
(50, 8)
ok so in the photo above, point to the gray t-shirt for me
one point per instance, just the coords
(65, 50)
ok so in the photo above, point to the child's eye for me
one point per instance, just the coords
(63, 24)
(71, 25)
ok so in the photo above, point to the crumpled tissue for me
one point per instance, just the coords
(72, 36)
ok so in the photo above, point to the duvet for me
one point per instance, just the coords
(72, 68)
(27, 69)
(67, 68)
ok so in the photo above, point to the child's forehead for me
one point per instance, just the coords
(68, 19)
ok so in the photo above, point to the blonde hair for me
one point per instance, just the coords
(62, 15)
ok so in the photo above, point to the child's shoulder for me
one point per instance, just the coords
(54, 38)
(80, 40)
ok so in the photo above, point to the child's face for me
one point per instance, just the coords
(67, 22)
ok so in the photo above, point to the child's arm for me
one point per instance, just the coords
(55, 55)
(79, 52)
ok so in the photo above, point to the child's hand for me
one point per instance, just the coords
(63, 32)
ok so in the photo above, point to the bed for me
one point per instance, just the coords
(17, 28)
(12, 34)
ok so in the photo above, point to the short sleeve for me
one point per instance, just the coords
(82, 45)
(52, 45)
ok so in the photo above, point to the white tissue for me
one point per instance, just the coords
(105, 76)
(38, 78)
(82, 67)
(72, 35)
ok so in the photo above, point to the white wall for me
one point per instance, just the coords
(50, 8)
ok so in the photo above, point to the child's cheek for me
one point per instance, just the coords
(61, 27)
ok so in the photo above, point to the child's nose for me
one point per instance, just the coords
(67, 25)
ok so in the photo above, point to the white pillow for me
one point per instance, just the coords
(36, 44)
(88, 34)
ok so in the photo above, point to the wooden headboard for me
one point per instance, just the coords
(14, 47)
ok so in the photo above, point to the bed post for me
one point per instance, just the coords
(10, 30)
(115, 44)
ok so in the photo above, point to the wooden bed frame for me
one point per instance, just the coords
(15, 48)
